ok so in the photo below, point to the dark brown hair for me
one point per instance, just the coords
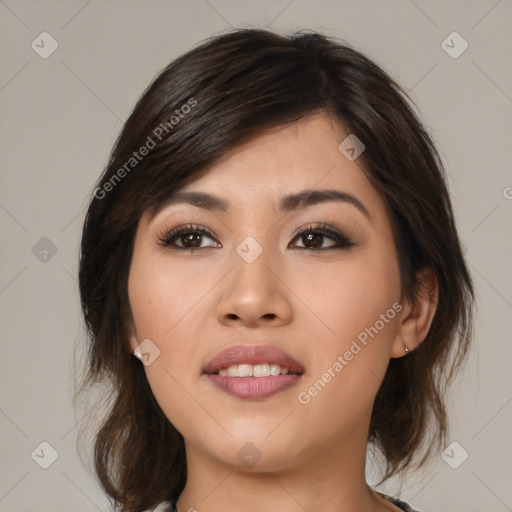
(207, 102)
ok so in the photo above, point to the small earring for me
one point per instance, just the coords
(406, 348)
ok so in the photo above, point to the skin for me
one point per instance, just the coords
(311, 303)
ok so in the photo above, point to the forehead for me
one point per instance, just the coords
(283, 161)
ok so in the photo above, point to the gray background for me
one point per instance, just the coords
(59, 119)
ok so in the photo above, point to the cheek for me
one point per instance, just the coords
(165, 296)
(358, 323)
(350, 295)
(157, 314)
(170, 308)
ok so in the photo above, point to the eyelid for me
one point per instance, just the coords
(345, 226)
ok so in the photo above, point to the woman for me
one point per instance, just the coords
(272, 282)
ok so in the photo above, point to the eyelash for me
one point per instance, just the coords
(323, 229)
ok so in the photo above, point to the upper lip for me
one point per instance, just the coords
(253, 354)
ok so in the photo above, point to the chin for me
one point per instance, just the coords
(257, 451)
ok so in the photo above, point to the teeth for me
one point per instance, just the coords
(253, 370)
(275, 369)
(245, 370)
(261, 370)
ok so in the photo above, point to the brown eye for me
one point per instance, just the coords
(188, 238)
(316, 238)
(313, 240)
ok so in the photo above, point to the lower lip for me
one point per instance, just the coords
(254, 388)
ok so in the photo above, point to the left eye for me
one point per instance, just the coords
(314, 238)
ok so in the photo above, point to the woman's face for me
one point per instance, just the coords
(317, 279)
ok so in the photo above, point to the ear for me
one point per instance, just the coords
(417, 315)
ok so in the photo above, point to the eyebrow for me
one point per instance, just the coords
(288, 203)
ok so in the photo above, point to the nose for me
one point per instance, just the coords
(255, 294)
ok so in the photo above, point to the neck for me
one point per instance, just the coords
(330, 478)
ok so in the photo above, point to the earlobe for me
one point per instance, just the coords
(417, 315)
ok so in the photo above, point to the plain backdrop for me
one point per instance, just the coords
(60, 115)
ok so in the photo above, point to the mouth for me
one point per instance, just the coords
(253, 372)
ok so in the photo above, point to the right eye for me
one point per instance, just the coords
(187, 238)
